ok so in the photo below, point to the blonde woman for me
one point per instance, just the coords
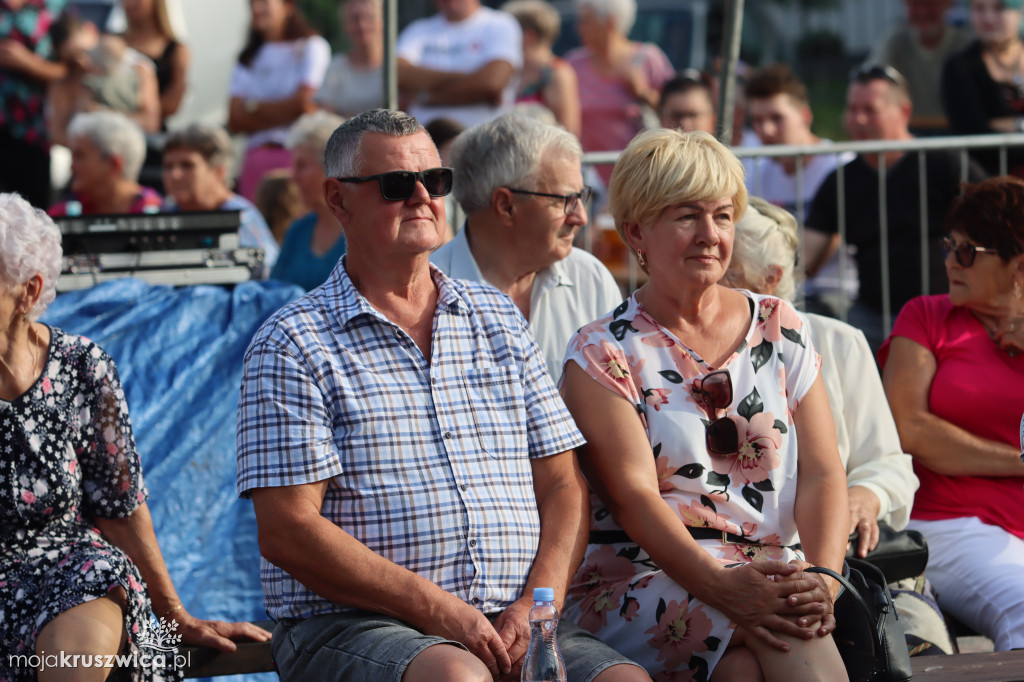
(690, 396)
(156, 30)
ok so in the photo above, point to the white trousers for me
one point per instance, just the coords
(978, 572)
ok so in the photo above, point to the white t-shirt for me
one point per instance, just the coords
(485, 36)
(276, 72)
(768, 179)
(349, 91)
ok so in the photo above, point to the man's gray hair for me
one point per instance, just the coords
(342, 154)
(29, 244)
(505, 152)
(114, 134)
(622, 12)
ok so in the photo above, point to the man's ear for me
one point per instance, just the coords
(807, 115)
(503, 204)
(336, 199)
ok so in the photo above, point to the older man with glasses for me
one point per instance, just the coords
(520, 184)
(410, 463)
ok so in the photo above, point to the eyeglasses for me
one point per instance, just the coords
(865, 73)
(715, 390)
(571, 200)
(965, 252)
(400, 185)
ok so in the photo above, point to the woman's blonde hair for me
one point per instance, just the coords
(537, 16)
(766, 236)
(662, 168)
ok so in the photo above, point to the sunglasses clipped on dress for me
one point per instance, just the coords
(400, 185)
(715, 391)
(965, 252)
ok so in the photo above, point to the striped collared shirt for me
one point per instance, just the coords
(429, 464)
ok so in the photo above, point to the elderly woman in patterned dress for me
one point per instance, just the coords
(80, 568)
(691, 396)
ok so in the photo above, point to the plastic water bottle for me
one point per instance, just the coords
(543, 661)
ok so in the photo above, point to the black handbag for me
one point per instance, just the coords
(868, 633)
(899, 554)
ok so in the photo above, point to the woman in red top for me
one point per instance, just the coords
(953, 372)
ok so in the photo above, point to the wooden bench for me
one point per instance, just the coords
(249, 657)
(997, 666)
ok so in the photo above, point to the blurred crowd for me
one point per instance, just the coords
(928, 238)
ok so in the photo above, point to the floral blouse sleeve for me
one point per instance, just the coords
(112, 481)
(597, 351)
(780, 330)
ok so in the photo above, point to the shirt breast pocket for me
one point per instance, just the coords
(498, 406)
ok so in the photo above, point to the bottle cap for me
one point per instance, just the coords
(543, 594)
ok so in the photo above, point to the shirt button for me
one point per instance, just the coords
(463, 487)
(448, 435)
(433, 381)
(472, 543)
(476, 600)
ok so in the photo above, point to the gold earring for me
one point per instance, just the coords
(1018, 293)
(640, 258)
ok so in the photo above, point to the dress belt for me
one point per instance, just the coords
(615, 537)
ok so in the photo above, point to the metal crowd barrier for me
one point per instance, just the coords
(962, 144)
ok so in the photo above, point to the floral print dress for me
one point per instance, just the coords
(619, 593)
(67, 455)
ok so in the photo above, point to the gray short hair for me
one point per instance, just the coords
(29, 244)
(766, 235)
(622, 12)
(507, 151)
(114, 134)
(313, 130)
(342, 152)
(209, 141)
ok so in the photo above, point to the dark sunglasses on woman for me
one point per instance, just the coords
(715, 390)
(965, 252)
(400, 185)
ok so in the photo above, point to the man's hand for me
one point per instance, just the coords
(513, 626)
(457, 620)
(864, 507)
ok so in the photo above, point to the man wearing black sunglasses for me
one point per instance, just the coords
(878, 107)
(404, 446)
(520, 184)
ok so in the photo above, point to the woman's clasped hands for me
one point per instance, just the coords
(769, 598)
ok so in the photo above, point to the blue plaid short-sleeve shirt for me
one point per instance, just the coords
(429, 464)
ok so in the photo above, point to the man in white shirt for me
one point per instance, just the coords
(520, 184)
(460, 63)
(780, 113)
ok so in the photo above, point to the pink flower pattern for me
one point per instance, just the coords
(759, 449)
(617, 592)
(679, 634)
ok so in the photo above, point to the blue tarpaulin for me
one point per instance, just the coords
(179, 353)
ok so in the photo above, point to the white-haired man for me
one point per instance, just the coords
(409, 460)
(520, 184)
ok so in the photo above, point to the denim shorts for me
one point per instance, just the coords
(359, 646)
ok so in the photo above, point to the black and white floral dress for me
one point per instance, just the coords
(67, 456)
